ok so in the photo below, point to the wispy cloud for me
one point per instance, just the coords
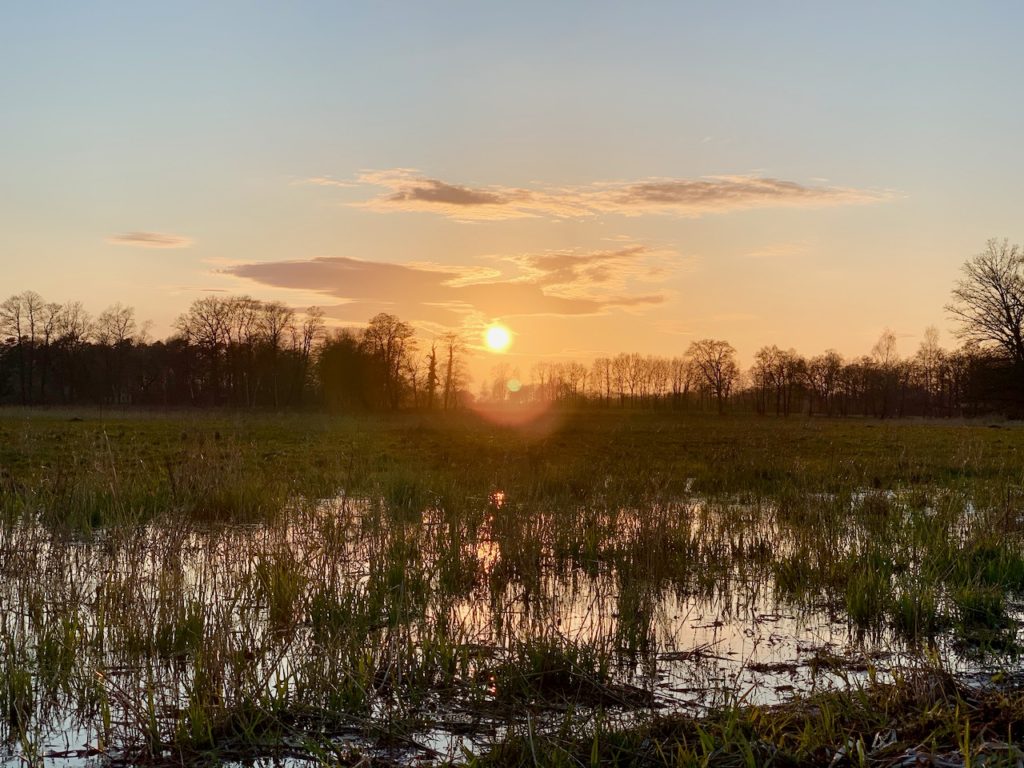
(779, 251)
(696, 197)
(328, 181)
(558, 283)
(586, 273)
(150, 240)
(406, 189)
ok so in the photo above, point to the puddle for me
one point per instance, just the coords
(434, 630)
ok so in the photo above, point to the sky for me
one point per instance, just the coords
(599, 177)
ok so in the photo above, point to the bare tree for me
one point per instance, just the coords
(21, 318)
(113, 331)
(454, 376)
(313, 331)
(601, 378)
(884, 352)
(13, 324)
(73, 329)
(501, 372)
(765, 373)
(715, 362)
(620, 375)
(823, 378)
(887, 369)
(276, 321)
(633, 365)
(50, 320)
(988, 301)
(244, 336)
(115, 325)
(432, 379)
(682, 378)
(313, 328)
(574, 376)
(541, 375)
(207, 324)
(390, 340)
(929, 364)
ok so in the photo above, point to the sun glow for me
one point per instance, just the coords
(497, 337)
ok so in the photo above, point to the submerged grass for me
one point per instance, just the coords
(196, 587)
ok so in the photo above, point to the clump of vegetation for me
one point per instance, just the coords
(925, 718)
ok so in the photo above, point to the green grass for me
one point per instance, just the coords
(209, 586)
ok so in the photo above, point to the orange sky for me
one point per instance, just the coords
(599, 177)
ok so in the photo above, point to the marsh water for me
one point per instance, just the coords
(419, 629)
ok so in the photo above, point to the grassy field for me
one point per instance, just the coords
(601, 587)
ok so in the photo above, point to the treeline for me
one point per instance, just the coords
(932, 382)
(244, 353)
(226, 351)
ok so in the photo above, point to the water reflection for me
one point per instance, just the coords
(356, 607)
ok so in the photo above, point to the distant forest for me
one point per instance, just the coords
(240, 352)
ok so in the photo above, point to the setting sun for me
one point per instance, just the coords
(497, 337)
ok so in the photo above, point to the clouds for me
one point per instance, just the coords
(327, 181)
(150, 240)
(405, 189)
(435, 192)
(572, 272)
(695, 197)
(564, 283)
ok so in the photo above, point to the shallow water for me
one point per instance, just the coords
(678, 606)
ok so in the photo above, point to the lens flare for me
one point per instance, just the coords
(497, 337)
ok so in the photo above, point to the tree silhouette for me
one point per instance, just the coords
(454, 375)
(715, 361)
(824, 374)
(390, 340)
(988, 301)
(242, 352)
